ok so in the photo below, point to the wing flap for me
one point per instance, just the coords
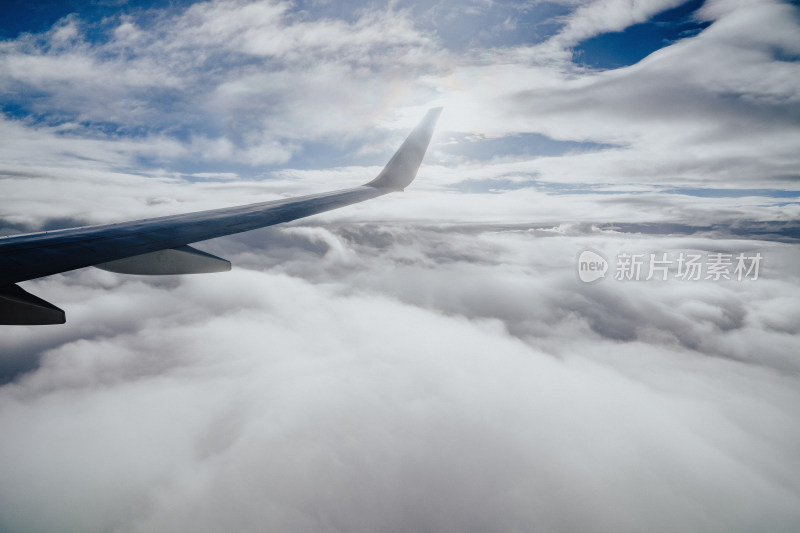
(180, 260)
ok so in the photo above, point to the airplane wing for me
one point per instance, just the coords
(157, 246)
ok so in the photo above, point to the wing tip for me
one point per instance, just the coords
(402, 168)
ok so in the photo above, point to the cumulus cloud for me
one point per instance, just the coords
(720, 107)
(428, 360)
(235, 77)
(253, 84)
(392, 377)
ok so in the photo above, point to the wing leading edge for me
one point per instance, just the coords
(160, 245)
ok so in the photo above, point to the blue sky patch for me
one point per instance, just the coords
(620, 49)
(20, 16)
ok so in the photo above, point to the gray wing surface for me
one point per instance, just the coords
(160, 245)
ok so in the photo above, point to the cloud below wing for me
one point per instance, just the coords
(444, 388)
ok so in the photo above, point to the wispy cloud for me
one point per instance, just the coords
(233, 81)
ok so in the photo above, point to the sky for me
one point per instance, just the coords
(432, 360)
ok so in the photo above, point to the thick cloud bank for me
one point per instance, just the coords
(371, 377)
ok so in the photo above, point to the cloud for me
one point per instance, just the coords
(252, 85)
(222, 70)
(428, 360)
(445, 379)
(604, 16)
(718, 107)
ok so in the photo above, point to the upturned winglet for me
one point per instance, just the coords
(402, 167)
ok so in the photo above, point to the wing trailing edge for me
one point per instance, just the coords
(172, 261)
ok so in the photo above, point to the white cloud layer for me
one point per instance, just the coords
(385, 377)
(253, 82)
(427, 360)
